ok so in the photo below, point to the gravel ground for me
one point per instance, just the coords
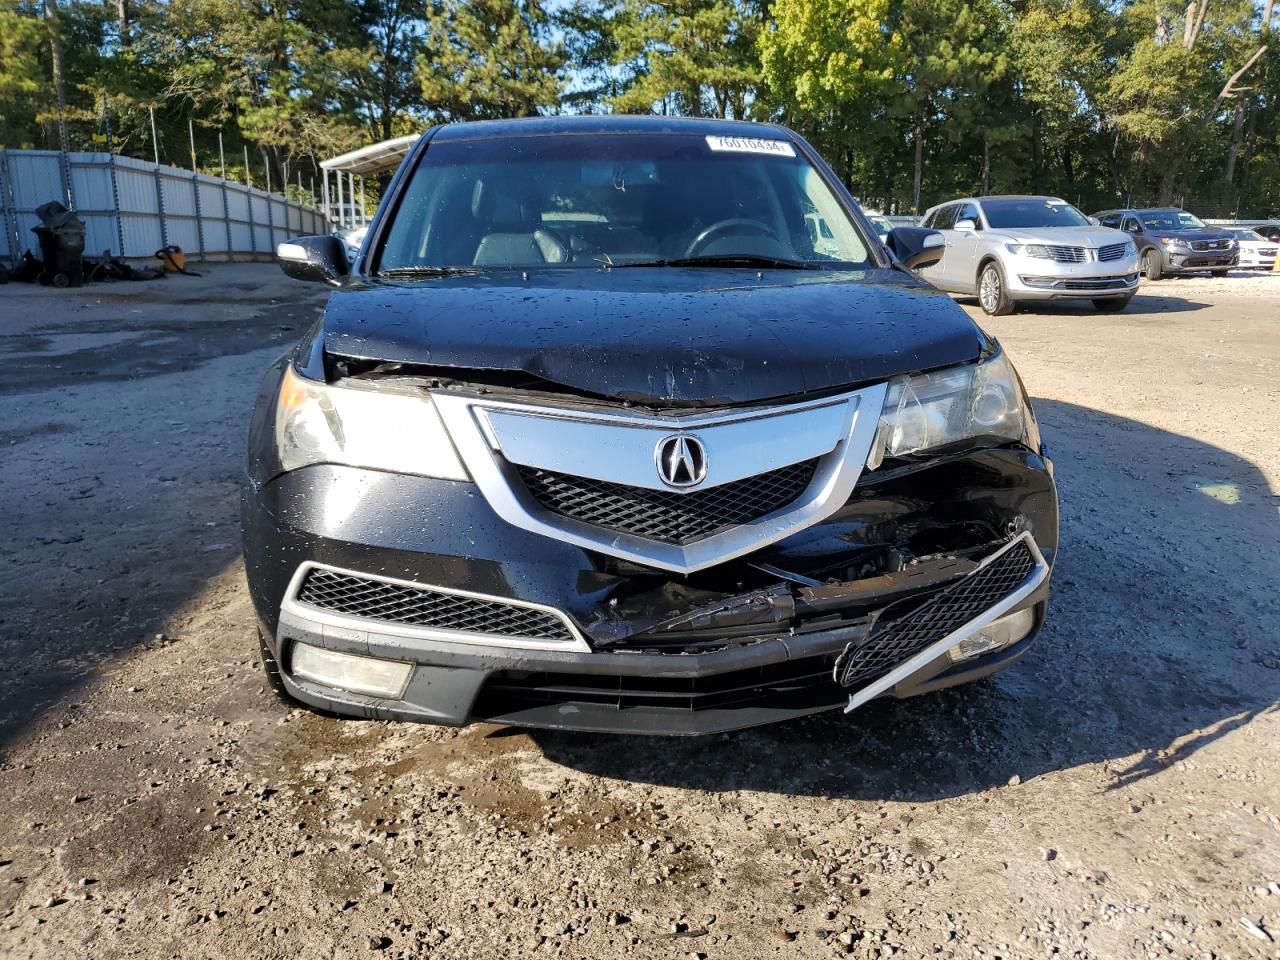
(1115, 795)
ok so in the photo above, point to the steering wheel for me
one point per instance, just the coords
(731, 225)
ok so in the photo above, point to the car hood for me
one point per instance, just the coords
(662, 336)
(1091, 236)
(1189, 235)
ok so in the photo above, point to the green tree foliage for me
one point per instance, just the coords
(912, 101)
(694, 57)
(23, 77)
(489, 58)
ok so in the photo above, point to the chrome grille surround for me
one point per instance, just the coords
(495, 438)
(1200, 246)
(351, 601)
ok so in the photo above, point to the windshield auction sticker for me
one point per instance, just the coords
(779, 148)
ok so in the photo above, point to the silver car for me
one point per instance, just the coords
(1011, 249)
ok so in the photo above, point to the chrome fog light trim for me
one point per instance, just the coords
(348, 671)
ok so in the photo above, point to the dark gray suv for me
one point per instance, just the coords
(1173, 241)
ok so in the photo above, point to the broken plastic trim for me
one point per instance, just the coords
(939, 648)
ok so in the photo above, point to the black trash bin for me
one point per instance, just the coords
(61, 236)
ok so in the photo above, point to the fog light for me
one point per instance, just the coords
(369, 675)
(1005, 632)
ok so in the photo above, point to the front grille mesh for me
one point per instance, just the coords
(1112, 251)
(1096, 283)
(1068, 254)
(356, 596)
(667, 517)
(946, 611)
(1203, 245)
(788, 685)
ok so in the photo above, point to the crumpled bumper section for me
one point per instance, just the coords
(504, 625)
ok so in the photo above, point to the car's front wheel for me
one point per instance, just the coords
(1219, 273)
(991, 292)
(1112, 304)
(1151, 265)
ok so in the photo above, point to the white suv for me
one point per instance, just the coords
(1011, 249)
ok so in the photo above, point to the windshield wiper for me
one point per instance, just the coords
(426, 271)
(724, 260)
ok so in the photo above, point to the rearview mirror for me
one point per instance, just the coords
(915, 247)
(314, 258)
(1095, 221)
(966, 224)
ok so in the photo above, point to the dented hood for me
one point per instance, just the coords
(660, 336)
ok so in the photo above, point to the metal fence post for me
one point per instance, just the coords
(195, 186)
(253, 223)
(226, 220)
(9, 205)
(115, 197)
(271, 226)
(164, 227)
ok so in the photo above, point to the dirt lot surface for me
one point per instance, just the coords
(1115, 795)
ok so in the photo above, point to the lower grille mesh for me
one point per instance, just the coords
(946, 611)
(667, 517)
(790, 684)
(371, 599)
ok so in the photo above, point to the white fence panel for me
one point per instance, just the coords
(216, 238)
(132, 208)
(258, 214)
(180, 211)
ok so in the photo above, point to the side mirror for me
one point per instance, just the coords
(1095, 221)
(915, 247)
(966, 224)
(314, 258)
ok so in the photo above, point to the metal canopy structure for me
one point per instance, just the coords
(340, 205)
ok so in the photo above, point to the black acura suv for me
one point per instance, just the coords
(633, 424)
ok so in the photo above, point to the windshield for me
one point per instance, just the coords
(1027, 212)
(1170, 220)
(592, 200)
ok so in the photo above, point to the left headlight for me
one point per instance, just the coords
(959, 403)
(377, 427)
(1037, 250)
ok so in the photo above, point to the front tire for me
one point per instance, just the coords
(1112, 304)
(1219, 273)
(992, 295)
(1152, 268)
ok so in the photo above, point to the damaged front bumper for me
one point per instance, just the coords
(590, 642)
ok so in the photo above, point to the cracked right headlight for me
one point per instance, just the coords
(946, 406)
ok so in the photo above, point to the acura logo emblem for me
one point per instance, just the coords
(681, 460)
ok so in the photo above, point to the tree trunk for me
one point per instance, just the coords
(122, 21)
(1037, 155)
(986, 165)
(1237, 132)
(59, 82)
(919, 168)
(1168, 177)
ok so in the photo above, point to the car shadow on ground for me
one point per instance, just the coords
(1151, 298)
(1155, 647)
